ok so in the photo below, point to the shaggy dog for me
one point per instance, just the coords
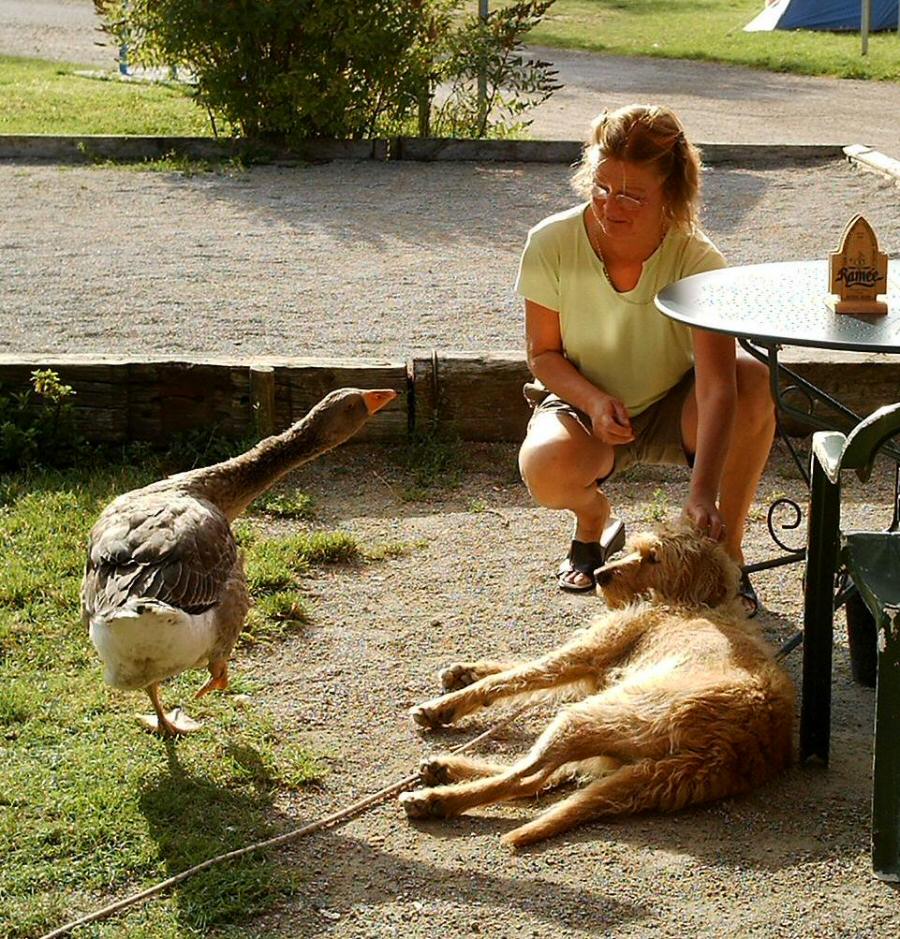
(681, 700)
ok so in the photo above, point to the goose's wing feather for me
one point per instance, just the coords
(168, 547)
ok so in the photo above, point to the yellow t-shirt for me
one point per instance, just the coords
(618, 341)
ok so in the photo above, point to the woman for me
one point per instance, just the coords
(625, 383)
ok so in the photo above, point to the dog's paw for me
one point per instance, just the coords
(434, 772)
(422, 803)
(428, 715)
(522, 836)
(456, 676)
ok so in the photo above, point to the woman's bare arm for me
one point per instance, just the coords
(548, 363)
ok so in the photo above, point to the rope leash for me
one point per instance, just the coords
(344, 815)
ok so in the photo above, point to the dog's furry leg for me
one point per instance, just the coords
(444, 769)
(565, 666)
(544, 765)
(449, 768)
(462, 674)
(448, 801)
(649, 785)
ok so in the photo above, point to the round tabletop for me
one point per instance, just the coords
(785, 303)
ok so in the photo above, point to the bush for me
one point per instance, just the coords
(488, 51)
(287, 70)
(37, 426)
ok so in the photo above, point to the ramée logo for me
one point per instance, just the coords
(858, 276)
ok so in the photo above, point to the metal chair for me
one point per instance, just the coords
(867, 562)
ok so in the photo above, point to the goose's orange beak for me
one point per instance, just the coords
(376, 400)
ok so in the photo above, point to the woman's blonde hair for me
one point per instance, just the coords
(649, 136)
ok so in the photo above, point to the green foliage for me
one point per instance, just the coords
(285, 69)
(434, 460)
(488, 51)
(285, 504)
(38, 425)
(288, 70)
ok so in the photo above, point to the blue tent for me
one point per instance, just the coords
(823, 14)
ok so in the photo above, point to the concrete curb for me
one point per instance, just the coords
(872, 160)
(43, 148)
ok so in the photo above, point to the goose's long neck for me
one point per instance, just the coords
(234, 484)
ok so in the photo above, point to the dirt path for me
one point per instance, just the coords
(722, 103)
(349, 259)
(789, 860)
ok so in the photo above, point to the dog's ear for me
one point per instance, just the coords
(720, 573)
(702, 571)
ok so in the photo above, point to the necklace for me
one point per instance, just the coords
(595, 247)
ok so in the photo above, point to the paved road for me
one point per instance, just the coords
(718, 103)
(723, 103)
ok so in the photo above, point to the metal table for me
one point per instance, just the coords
(767, 306)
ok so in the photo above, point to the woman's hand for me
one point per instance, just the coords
(610, 421)
(704, 514)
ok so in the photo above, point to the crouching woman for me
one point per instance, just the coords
(617, 382)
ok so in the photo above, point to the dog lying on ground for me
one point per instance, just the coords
(681, 700)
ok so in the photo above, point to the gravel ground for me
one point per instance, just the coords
(349, 259)
(789, 860)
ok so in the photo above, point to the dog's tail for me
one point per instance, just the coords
(649, 785)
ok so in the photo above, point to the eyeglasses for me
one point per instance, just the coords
(623, 201)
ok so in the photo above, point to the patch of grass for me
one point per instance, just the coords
(434, 461)
(393, 549)
(173, 163)
(659, 506)
(273, 616)
(713, 30)
(42, 97)
(90, 806)
(286, 504)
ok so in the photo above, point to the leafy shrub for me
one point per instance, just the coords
(286, 70)
(37, 425)
(487, 51)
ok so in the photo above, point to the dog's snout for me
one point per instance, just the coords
(602, 576)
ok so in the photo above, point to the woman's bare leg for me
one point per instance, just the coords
(561, 463)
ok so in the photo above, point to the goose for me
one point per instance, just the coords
(164, 588)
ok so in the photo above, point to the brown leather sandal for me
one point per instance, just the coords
(585, 557)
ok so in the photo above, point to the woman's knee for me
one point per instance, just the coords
(557, 471)
(542, 466)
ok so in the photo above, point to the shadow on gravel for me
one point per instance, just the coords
(346, 873)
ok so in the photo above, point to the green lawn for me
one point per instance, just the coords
(50, 98)
(713, 30)
(93, 808)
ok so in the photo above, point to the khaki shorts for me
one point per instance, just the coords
(657, 430)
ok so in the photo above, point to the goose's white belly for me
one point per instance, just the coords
(148, 641)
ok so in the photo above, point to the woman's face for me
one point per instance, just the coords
(627, 198)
